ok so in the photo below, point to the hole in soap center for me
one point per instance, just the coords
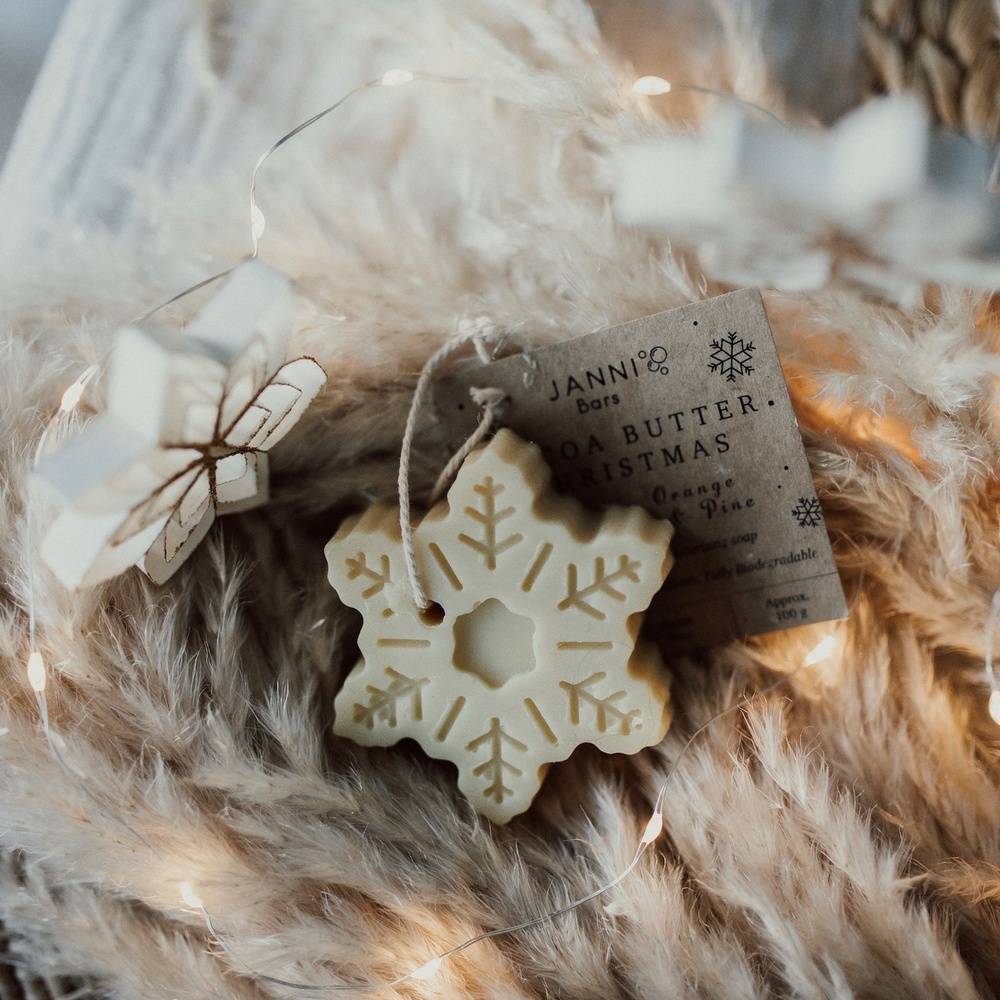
(433, 614)
(494, 643)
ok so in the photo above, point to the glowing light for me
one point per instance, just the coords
(257, 224)
(845, 420)
(651, 86)
(653, 828)
(995, 707)
(190, 897)
(36, 672)
(820, 651)
(396, 77)
(428, 970)
(71, 397)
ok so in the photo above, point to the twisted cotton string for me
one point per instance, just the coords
(488, 400)
(479, 337)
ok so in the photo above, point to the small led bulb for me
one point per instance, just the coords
(653, 828)
(428, 970)
(189, 896)
(36, 672)
(994, 706)
(72, 396)
(396, 77)
(651, 86)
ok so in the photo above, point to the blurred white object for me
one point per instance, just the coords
(782, 206)
(26, 27)
(651, 86)
(188, 424)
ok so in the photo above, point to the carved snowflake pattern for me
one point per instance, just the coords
(731, 356)
(807, 512)
(532, 650)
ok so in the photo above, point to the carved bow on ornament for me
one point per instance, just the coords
(190, 419)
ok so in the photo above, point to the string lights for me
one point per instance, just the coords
(35, 666)
(258, 221)
(396, 77)
(651, 833)
(36, 672)
(651, 86)
(189, 896)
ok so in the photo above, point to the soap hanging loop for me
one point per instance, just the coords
(489, 401)
(481, 334)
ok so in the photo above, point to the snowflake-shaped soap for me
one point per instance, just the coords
(530, 646)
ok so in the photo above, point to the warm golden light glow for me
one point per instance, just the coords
(651, 86)
(846, 420)
(820, 651)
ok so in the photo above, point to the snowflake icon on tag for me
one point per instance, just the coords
(807, 512)
(530, 646)
(731, 356)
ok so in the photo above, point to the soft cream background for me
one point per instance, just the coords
(838, 838)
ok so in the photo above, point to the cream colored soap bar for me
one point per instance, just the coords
(531, 648)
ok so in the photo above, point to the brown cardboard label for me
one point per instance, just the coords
(686, 414)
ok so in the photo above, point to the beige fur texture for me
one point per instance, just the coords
(839, 836)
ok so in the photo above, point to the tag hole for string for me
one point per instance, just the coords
(433, 614)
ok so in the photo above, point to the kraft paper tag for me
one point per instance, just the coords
(684, 413)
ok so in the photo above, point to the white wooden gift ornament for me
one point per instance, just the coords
(533, 648)
(190, 418)
(761, 201)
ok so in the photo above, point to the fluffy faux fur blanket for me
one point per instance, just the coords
(838, 836)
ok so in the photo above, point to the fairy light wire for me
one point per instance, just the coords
(654, 824)
(258, 225)
(35, 667)
(651, 833)
(258, 221)
(650, 86)
(658, 86)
